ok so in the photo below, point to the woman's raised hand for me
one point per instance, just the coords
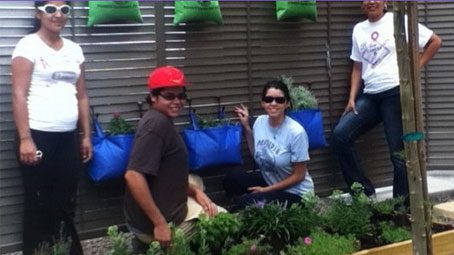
(243, 114)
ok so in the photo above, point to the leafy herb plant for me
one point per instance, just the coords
(278, 224)
(323, 243)
(249, 247)
(390, 233)
(301, 97)
(213, 233)
(205, 122)
(119, 241)
(118, 125)
(347, 218)
(178, 246)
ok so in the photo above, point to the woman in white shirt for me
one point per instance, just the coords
(375, 64)
(51, 113)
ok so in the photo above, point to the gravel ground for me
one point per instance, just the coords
(95, 246)
(100, 245)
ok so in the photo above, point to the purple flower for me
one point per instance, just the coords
(307, 240)
(259, 204)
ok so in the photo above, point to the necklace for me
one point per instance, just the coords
(276, 131)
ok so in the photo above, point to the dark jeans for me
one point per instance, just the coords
(372, 110)
(50, 190)
(237, 182)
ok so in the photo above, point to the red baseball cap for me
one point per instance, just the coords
(166, 76)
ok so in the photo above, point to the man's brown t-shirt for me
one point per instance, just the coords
(160, 154)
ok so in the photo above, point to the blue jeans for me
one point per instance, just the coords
(372, 109)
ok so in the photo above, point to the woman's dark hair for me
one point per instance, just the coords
(37, 22)
(277, 84)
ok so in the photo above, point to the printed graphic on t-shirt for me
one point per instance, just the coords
(264, 155)
(374, 51)
(58, 69)
(64, 76)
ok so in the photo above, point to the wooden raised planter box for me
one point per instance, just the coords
(443, 244)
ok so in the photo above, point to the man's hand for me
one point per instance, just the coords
(162, 234)
(209, 207)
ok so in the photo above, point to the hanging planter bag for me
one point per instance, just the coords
(101, 12)
(300, 9)
(212, 146)
(189, 11)
(110, 154)
(312, 121)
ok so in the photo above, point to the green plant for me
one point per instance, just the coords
(349, 218)
(118, 125)
(278, 224)
(323, 243)
(301, 97)
(390, 233)
(388, 206)
(118, 240)
(58, 248)
(213, 233)
(178, 246)
(210, 122)
(249, 247)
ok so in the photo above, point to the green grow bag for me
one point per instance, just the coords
(300, 9)
(101, 12)
(189, 11)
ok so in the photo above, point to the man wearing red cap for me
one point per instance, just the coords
(158, 191)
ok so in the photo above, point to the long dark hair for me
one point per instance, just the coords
(37, 22)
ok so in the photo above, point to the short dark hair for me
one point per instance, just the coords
(277, 84)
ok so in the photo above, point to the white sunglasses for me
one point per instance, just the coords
(51, 8)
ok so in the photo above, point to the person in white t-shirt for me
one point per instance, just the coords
(279, 146)
(51, 113)
(375, 64)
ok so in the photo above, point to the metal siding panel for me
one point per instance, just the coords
(437, 80)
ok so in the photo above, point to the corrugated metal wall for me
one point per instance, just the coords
(232, 62)
(439, 93)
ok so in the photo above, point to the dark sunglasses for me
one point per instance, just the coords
(172, 96)
(268, 99)
(51, 9)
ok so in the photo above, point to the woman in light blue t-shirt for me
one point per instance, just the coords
(279, 146)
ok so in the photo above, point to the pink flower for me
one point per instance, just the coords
(253, 248)
(116, 115)
(307, 240)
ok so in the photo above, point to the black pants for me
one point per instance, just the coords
(50, 190)
(237, 182)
